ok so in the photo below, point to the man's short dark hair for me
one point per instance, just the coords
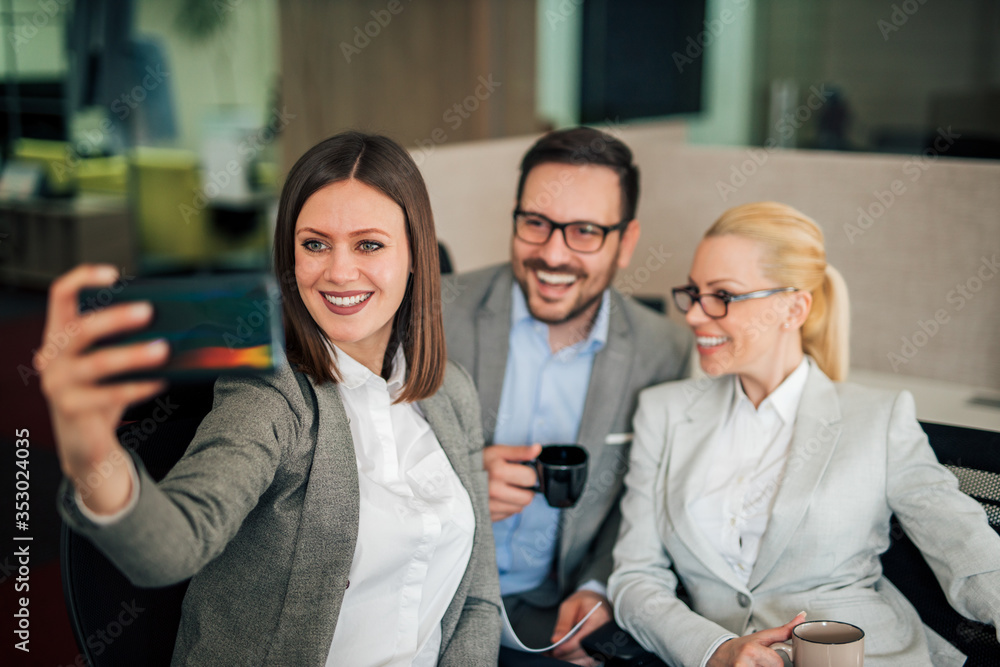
(586, 145)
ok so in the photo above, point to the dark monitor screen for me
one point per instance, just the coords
(641, 58)
(42, 106)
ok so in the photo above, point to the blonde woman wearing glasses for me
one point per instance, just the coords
(768, 487)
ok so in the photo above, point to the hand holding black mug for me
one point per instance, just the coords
(562, 473)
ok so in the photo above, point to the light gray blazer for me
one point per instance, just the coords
(857, 455)
(262, 512)
(643, 348)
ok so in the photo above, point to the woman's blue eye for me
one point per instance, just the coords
(369, 246)
(313, 246)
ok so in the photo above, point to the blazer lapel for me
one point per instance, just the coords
(816, 432)
(329, 523)
(493, 342)
(441, 418)
(608, 381)
(688, 467)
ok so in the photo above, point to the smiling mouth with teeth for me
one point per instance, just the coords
(348, 300)
(711, 341)
(559, 279)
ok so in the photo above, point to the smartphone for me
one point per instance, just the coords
(215, 324)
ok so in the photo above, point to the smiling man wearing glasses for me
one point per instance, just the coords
(558, 356)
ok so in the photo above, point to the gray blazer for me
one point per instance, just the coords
(643, 348)
(857, 456)
(262, 512)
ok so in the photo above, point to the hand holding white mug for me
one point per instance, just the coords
(825, 643)
(755, 650)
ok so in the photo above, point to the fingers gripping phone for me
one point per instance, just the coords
(214, 324)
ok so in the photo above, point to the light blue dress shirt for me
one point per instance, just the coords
(542, 401)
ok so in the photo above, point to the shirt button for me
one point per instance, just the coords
(732, 522)
(743, 599)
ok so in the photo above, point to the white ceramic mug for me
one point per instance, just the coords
(825, 644)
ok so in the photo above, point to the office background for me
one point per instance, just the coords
(881, 120)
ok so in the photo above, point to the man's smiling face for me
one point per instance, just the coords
(560, 284)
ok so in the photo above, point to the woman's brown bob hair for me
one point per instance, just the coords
(382, 164)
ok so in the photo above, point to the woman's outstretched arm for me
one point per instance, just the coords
(84, 412)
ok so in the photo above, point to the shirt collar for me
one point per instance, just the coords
(785, 398)
(598, 335)
(353, 373)
(519, 306)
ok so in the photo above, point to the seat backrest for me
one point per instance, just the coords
(444, 259)
(115, 622)
(973, 456)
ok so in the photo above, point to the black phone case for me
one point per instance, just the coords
(214, 324)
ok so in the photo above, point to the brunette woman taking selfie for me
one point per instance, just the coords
(333, 512)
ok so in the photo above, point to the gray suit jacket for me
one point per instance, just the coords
(857, 456)
(643, 348)
(262, 512)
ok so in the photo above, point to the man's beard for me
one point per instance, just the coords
(573, 314)
(534, 264)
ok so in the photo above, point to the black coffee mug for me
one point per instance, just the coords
(562, 473)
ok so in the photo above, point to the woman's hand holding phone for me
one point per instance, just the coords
(85, 413)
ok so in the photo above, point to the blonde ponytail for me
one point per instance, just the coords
(795, 256)
(826, 331)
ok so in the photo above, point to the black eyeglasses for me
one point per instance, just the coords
(537, 229)
(716, 305)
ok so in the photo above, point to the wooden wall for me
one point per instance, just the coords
(400, 67)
